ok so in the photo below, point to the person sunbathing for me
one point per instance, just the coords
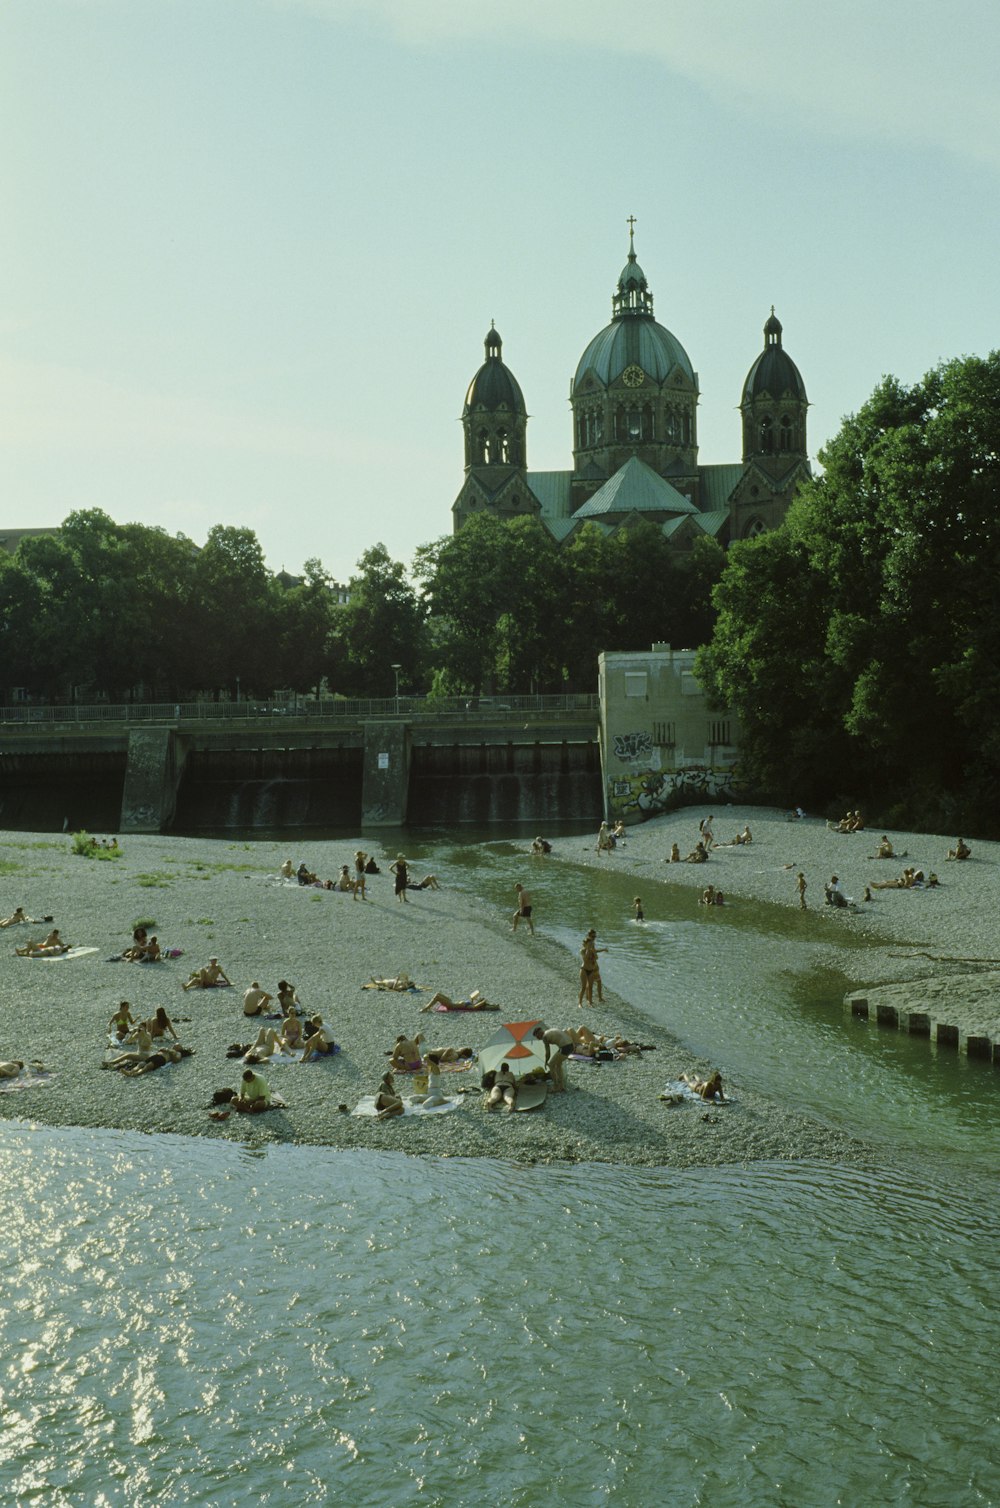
(884, 850)
(344, 882)
(675, 854)
(267, 1044)
(396, 982)
(406, 1054)
(16, 919)
(387, 1101)
(318, 1042)
(475, 1002)
(51, 944)
(122, 1021)
(287, 870)
(158, 1059)
(906, 881)
(11, 1068)
(304, 875)
(706, 1089)
(429, 882)
(139, 1054)
(698, 854)
(960, 851)
(150, 953)
(291, 1031)
(454, 1054)
(434, 1095)
(207, 978)
(503, 1090)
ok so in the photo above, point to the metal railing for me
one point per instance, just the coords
(304, 710)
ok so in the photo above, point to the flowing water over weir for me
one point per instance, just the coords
(188, 1322)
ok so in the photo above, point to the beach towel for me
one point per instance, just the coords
(460, 1067)
(366, 1106)
(288, 1057)
(28, 1078)
(58, 957)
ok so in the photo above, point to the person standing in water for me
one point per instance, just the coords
(523, 912)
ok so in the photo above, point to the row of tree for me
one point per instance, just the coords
(860, 642)
(100, 609)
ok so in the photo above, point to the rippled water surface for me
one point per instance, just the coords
(183, 1322)
(186, 1322)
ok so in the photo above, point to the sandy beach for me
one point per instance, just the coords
(220, 897)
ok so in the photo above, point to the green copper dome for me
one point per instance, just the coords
(494, 385)
(633, 338)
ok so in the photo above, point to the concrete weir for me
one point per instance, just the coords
(155, 762)
(960, 1012)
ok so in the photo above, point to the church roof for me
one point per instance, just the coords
(717, 484)
(635, 488)
(774, 373)
(494, 385)
(552, 489)
(633, 338)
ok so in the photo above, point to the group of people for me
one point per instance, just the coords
(850, 822)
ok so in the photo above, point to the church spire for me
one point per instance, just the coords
(633, 296)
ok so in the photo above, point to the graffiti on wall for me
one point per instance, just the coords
(632, 746)
(639, 794)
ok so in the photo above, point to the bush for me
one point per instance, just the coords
(90, 848)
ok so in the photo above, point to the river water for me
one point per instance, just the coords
(187, 1322)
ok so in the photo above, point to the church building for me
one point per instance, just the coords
(635, 436)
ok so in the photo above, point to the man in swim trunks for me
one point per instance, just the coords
(523, 912)
(255, 1000)
(208, 977)
(504, 1090)
(318, 1040)
(16, 919)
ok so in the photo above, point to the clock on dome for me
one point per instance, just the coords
(633, 376)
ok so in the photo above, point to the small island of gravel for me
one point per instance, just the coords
(211, 896)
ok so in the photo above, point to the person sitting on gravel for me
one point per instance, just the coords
(122, 1021)
(675, 854)
(159, 1024)
(429, 882)
(286, 996)
(541, 845)
(960, 851)
(433, 1095)
(906, 881)
(706, 1089)
(207, 978)
(255, 1000)
(287, 870)
(344, 882)
(304, 874)
(885, 850)
(834, 895)
(698, 854)
(16, 919)
(406, 1055)
(318, 1041)
(253, 1094)
(151, 953)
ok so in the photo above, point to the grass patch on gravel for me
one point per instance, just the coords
(155, 880)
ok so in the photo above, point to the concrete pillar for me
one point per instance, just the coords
(386, 774)
(152, 774)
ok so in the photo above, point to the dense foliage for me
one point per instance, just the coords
(860, 643)
(121, 611)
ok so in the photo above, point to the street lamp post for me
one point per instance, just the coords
(397, 669)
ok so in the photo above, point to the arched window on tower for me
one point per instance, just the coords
(483, 447)
(634, 424)
(766, 433)
(581, 431)
(647, 422)
(503, 448)
(787, 436)
(673, 426)
(687, 428)
(621, 425)
(754, 527)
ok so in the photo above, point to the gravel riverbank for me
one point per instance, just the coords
(209, 896)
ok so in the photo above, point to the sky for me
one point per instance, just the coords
(250, 249)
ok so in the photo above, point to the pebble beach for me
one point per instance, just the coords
(218, 897)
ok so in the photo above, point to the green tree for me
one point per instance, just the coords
(898, 555)
(382, 624)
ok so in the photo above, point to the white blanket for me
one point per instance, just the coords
(366, 1106)
(28, 1078)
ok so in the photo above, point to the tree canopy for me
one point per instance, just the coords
(859, 642)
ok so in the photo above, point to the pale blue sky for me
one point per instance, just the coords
(250, 248)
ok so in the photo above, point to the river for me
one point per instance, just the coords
(187, 1322)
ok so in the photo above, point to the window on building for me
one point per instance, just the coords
(786, 433)
(635, 683)
(665, 734)
(718, 732)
